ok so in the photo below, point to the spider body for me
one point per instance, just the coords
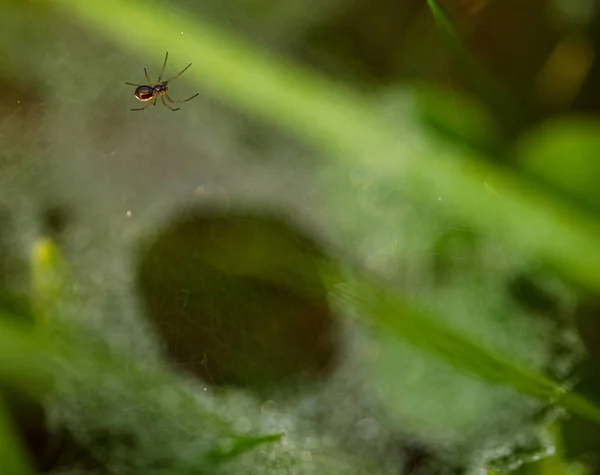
(153, 90)
(160, 88)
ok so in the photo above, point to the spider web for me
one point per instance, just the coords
(71, 143)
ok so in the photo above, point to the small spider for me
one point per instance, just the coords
(150, 92)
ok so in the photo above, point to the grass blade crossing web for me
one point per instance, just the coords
(388, 312)
(346, 126)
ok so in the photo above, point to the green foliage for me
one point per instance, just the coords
(12, 458)
(563, 154)
(402, 174)
(22, 364)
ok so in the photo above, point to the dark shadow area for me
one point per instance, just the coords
(56, 219)
(237, 299)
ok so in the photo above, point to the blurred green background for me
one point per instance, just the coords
(370, 245)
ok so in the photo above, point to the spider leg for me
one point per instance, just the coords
(167, 105)
(162, 71)
(185, 100)
(131, 84)
(146, 106)
(147, 77)
(183, 71)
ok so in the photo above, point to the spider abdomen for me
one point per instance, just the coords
(144, 93)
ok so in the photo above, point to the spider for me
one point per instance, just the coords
(150, 92)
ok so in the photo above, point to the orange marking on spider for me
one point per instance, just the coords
(153, 90)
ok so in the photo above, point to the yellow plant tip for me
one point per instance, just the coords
(50, 280)
(44, 253)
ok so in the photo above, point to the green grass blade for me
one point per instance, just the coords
(390, 313)
(22, 363)
(239, 446)
(477, 74)
(13, 460)
(446, 25)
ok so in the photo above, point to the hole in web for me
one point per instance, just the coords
(237, 300)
